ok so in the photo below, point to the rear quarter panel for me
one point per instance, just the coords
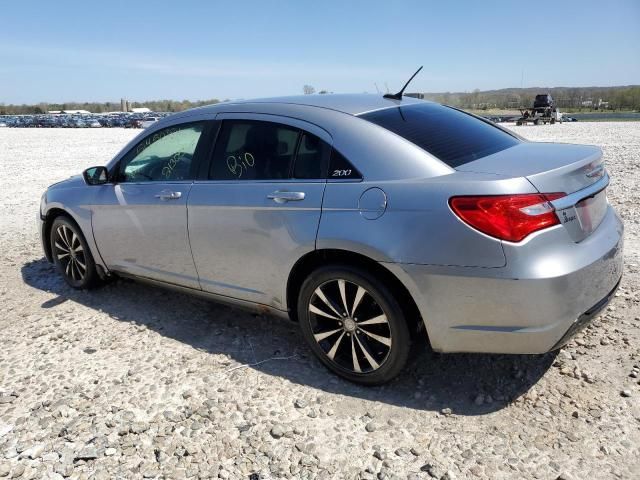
(417, 226)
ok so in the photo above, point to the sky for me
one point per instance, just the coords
(142, 50)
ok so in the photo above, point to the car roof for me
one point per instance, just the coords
(353, 104)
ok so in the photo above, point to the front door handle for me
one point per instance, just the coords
(168, 195)
(284, 197)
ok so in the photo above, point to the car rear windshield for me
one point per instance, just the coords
(452, 136)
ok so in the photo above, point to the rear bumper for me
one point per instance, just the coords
(550, 288)
(585, 319)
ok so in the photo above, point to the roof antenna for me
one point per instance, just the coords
(398, 96)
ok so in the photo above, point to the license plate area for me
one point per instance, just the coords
(585, 216)
(591, 211)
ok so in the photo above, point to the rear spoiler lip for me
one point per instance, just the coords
(589, 191)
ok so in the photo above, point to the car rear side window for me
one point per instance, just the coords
(452, 136)
(312, 158)
(253, 150)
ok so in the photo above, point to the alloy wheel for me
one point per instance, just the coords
(70, 253)
(350, 326)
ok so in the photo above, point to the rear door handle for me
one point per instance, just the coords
(168, 195)
(283, 197)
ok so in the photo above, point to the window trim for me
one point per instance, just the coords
(208, 148)
(294, 122)
(296, 150)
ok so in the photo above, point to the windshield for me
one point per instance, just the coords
(452, 136)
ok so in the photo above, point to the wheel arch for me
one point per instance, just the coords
(58, 211)
(49, 218)
(317, 258)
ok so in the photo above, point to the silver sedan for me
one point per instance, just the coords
(372, 222)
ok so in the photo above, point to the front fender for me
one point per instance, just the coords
(80, 211)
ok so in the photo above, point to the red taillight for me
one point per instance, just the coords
(507, 217)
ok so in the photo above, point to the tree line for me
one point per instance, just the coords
(625, 98)
(573, 98)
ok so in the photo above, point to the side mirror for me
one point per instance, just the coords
(96, 175)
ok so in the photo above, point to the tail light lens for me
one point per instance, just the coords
(507, 217)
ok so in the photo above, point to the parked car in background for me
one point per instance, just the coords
(61, 120)
(133, 123)
(372, 222)
(148, 121)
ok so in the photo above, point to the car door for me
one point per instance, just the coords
(257, 209)
(140, 221)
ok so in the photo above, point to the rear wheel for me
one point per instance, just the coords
(71, 254)
(353, 324)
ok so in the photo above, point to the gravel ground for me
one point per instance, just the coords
(130, 381)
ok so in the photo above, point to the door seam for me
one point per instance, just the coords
(315, 242)
(193, 260)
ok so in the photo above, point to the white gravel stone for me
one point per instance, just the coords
(160, 366)
(33, 452)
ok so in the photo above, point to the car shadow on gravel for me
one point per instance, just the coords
(468, 384)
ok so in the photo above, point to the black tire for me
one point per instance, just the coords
(370, 356)
(71, 254)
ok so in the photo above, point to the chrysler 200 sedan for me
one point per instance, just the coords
(372, 222)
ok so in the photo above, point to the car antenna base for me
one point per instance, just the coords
(398, 96)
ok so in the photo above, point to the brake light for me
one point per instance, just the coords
(507, 217)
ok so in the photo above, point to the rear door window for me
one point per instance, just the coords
(452, 136)
(253, 150)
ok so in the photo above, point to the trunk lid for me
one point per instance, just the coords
(577, 170)
(550, 167)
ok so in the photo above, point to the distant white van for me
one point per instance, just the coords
(557, 115)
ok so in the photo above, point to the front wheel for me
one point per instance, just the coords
(353, 324)
(71, 254)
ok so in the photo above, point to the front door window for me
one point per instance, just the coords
(164, 156)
